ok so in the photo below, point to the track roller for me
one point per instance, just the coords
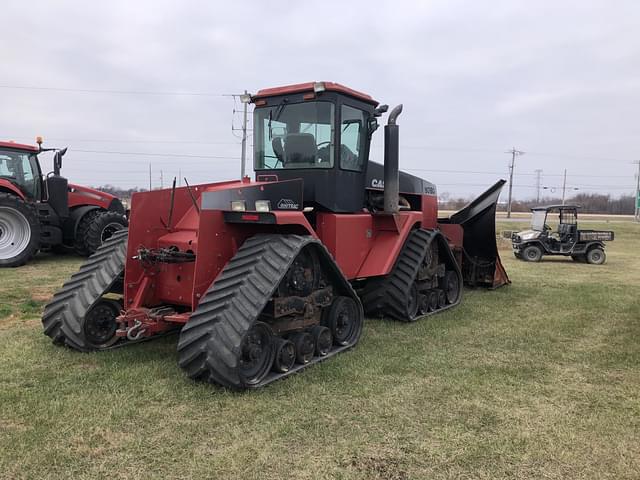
(322, 339)
(305, 347)
(285, 355)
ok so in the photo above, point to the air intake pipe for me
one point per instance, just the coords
(392, 162)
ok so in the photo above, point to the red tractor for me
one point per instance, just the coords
(48, 213)
(264, 278)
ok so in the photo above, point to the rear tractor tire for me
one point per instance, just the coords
(596, 256)
(19, 231)
(102, 228)
(532, 253)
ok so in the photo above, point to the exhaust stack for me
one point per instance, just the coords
(392, 161)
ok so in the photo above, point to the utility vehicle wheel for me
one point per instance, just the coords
(596, 256)
(451, 287)
(343, 319)
(532, 253)
(102, 228)
(100, 323)
(19, 231)
(256, 353)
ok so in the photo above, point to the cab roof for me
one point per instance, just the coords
(308, 87)
(18, 146)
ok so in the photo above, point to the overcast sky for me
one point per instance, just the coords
(559, 80)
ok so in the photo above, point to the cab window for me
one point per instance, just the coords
(298, 135)
(352, 138)
(21, 170)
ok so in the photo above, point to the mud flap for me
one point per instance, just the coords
(481, 264)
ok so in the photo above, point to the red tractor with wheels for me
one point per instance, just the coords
(264, 278)
(48, 213)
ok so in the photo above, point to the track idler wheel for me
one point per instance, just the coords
(323, 340)
(305, 347)
(344, 320)
(257, 353)
(100, 324)
(285, 355)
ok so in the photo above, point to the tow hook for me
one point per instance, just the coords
(132, 335)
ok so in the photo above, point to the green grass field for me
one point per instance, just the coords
(540, 379)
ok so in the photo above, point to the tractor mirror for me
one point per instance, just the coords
(57, 161)
(373, 125)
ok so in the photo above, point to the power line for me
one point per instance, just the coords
(96, 140)
(149, 154)
(117, 92)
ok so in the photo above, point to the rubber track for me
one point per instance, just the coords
(63, 315)
(209, 344)
(388, 296)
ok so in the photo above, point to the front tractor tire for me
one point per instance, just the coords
(532, 253)
(596, 256)
(19, 231)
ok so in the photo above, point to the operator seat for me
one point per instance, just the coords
(300, 148)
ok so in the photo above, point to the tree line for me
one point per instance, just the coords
(590, 203)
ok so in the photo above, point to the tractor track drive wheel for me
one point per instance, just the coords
(19, 231)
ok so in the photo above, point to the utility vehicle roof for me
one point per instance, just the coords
(559, 207)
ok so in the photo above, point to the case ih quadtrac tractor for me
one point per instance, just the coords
(582, 245)
(263, 278)
(48, 213)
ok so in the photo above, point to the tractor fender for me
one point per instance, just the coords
(8, 187)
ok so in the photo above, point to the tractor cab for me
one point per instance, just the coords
(19, 168)
(320, 133)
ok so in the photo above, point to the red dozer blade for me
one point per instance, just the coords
(481, 265)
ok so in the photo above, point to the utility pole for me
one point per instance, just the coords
(179, 177)
(245, 98)
(513, 153)
(149, 176)
(538, 184)
(161, 180)
(564, 185)
(637, 199)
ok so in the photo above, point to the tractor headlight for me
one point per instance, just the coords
(238, 205)
(263, 206)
